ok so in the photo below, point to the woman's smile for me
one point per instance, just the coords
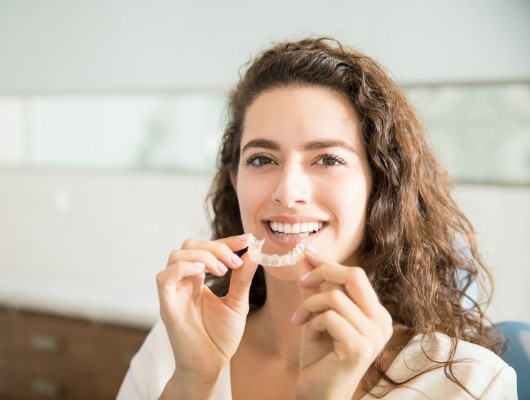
(290, 231)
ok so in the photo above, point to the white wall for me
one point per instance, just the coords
(501, 218)
(129, 222)
(101, 45)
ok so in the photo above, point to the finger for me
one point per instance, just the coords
(184, 278)
(348, 344)
(179, 270)
(305, 268)
(335, 326)
(238, 242)
(312, 260)
(240, 282)
(222, 249)
(212, 263)
(337, 301)
(353, 279)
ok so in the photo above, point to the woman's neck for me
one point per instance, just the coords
(271, 324)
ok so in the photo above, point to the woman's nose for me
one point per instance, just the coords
(293, 187)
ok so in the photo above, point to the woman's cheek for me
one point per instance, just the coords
(248, 199)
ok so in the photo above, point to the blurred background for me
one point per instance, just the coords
(110, 117)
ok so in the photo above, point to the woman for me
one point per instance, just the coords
(323, 150)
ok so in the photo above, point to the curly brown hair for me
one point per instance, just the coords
(415, 231)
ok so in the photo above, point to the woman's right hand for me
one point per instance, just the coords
(204, 330)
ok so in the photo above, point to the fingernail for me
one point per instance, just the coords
(238, 262)
(311, 249)
(304, 277)
(221, 267)
(199, 265)
(245, 237)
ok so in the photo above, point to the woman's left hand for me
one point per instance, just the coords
(345, 327)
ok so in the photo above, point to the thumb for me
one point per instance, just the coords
(311, 260)
(240, 281)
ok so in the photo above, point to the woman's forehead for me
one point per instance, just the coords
(302, 115)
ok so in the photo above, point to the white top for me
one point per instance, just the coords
(485, 374)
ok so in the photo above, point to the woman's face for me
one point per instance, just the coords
(303, 173)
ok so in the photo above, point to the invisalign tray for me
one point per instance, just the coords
(274, 260)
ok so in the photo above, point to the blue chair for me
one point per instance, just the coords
(517, 353)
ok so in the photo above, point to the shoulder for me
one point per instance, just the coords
(429, 350)
(150, 368)
(153, 365)
(478, 369)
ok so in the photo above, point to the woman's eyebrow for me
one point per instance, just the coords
(327, 143)
(262, 144)
(310, 146)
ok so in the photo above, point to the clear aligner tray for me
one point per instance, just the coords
(274, 260)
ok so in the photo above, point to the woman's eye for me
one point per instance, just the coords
(258, 160)
(328, 160)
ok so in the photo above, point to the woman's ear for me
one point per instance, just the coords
(233, 180)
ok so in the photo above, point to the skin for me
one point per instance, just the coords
(322, 324)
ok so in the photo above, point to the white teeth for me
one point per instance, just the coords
(295, 229)
(274, 260)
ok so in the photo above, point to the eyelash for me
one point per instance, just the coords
(250, 160)
(340, 161)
